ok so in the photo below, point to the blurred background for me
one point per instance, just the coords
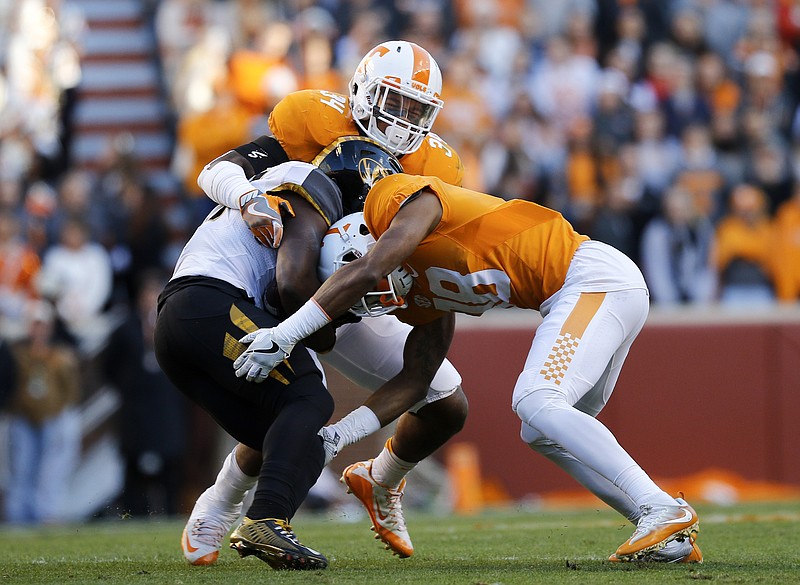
(669, 129)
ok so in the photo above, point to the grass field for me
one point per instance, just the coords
(754, 543)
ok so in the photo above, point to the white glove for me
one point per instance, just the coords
(331, 442)
(267, 349)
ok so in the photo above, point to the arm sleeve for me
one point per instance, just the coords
(227, 178)
(224, 182)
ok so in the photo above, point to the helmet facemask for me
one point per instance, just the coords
(394, 95)
(398, 119)
(349, 239)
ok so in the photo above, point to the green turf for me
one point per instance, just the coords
(756, 543)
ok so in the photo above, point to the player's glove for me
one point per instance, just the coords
(262, 214)
(331, 441)
(267, 349)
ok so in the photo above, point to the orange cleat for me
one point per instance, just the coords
(658, 526)
(382, 505)
(675, 551)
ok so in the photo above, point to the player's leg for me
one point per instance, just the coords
(293, 458)
(219, 507)
(583, 338)
(369, 353)
(195, 344)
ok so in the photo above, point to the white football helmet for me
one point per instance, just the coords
(348, 239)
(395, 95)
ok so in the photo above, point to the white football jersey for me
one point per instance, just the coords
(223, 247)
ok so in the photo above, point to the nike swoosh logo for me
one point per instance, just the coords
(272, 349)
(380, 516)
(186, 543)
(687, 515)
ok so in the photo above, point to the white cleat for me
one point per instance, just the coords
(209, 523)
(684, 550)
(657, 527)
(382, 505)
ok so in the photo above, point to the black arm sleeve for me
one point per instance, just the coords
(260, 155)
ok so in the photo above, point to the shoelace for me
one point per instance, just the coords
(651, 516)
(393, 500)
(208, 531)
(286, 530)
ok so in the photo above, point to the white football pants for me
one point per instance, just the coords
(569, 375)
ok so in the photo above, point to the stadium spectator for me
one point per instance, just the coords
(19, 266)
(153, 459)
(686, 29)
(787, 249)
(44, 432)
(676, 252)
(506, 162)
(684, 105)
(465, 120)
(612, 114)
(77, 200)
(318, 71)
(76, 275)
(261, 74)
(745, 260)
(657, 154)
(767, 167)
(564, 84)
(204, 132)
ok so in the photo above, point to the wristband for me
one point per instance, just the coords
(360, 423)
(308, 319)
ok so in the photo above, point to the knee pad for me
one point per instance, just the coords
(538, 403)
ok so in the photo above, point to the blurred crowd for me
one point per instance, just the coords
(669, 129)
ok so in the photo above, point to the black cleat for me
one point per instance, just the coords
(273, 541)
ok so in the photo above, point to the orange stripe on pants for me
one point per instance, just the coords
(583, 313)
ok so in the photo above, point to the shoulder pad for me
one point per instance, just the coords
(305, 122)
(307, 181)
(435, 158)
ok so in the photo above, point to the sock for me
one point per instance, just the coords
(232, 484)
(641, 489)
(388, 469)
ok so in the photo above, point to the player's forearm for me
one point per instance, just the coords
(224, 182)
(395, 397)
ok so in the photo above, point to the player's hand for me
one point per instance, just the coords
(331, 440)
(266, 351)
(262, 214)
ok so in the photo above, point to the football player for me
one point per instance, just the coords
(215, 296)
(470, 252)
(393, 101)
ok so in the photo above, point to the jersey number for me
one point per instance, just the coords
(334, 100)
(472, 293)
(439, 143)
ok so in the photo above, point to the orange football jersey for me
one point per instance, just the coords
(305, 122)
(486, 252)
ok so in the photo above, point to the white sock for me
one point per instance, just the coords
(232, 484)
(388, 469)
(641, 489)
